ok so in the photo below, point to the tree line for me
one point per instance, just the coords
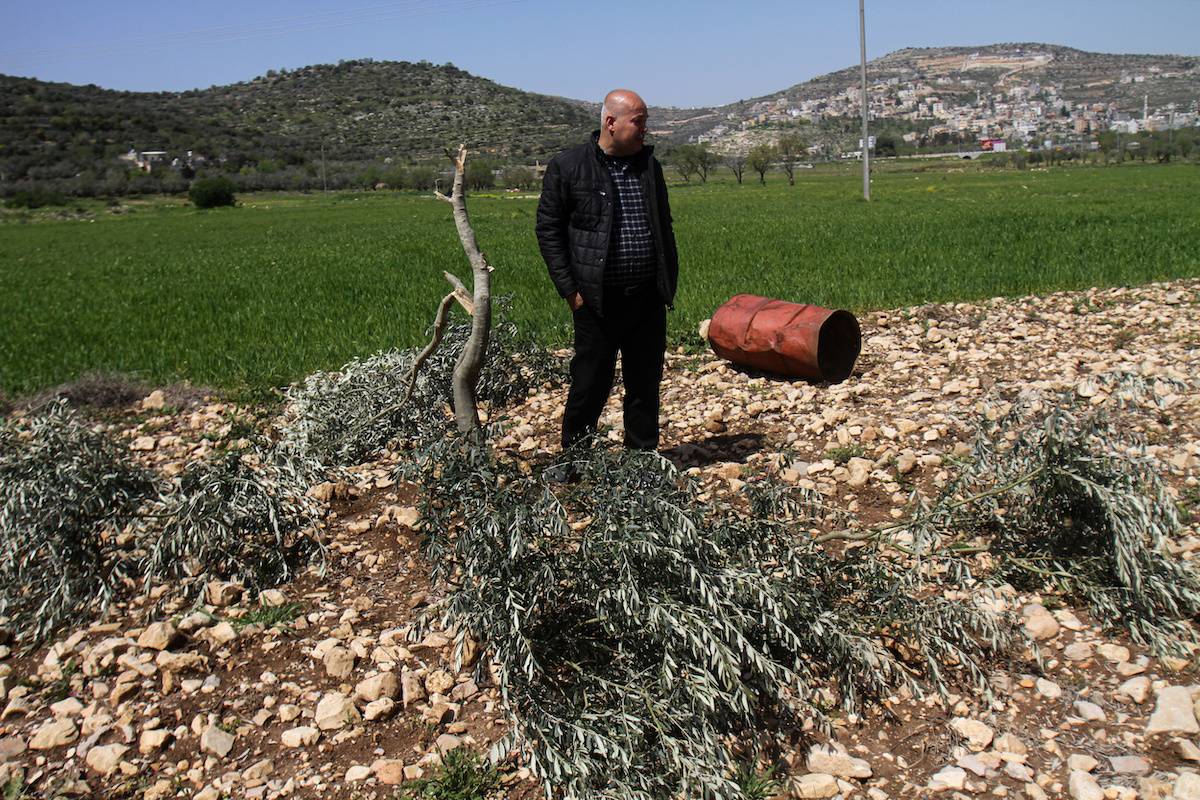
(698, 161)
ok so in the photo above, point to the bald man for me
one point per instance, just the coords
(604, 229)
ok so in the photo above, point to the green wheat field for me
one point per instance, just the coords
(283, 285)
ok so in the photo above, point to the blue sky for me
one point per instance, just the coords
(674, 52)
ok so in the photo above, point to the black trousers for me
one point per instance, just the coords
(634, 324)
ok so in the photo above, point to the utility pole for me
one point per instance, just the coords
(866, 140)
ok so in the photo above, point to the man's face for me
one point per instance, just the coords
(628, 128)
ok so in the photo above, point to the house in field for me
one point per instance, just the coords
(144, 160)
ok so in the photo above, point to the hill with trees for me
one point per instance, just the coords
(351, 113)
(358, 123)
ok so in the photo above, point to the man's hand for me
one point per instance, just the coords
(575, 301)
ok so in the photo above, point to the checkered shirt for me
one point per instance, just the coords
(631, 255)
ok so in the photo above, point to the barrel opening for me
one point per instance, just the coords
(838, 345)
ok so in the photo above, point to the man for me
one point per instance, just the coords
(604, 229)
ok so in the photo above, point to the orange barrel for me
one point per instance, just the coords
(788, 339)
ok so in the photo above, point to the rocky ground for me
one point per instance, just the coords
(314, 689)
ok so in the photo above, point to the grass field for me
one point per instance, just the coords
(286, 284)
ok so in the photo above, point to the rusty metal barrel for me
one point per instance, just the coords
(790, 339)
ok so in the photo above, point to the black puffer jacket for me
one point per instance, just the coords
(575, 220)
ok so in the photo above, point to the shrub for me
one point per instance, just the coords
(463, 775)
(517, 178)
(479, 175)
(339, 418)
(236, 519)
(211, 192)
(36, 198)
(640, 631)
(68, 490)
(1067, 504)
(81, 524)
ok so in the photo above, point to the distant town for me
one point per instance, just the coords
(1004, 113)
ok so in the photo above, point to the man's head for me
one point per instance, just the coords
(622, 123)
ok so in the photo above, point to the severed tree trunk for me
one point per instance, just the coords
(478, 304)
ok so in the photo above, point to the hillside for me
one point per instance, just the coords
(969, 75)
(360, 111)
(1083, 76)
(366, 113)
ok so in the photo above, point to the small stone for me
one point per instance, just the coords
(1129, 765)
(1066, 617)
(11, 747)
(439, 682)
(439, 713)
(1089, 712)
(153, 740)
(195, 621)
(389, 771)
(105, 758)
(357, 773)
(1018, 772)
(836, 762)
(1136, 689)
(447, 742)
(334, 711)
(216, 741)
(299, 737)
(339, 662)
(1187, 750)
(1082, 762)
(259, 770)
(815, 785)
(408, 517)
(155, 401)
(1187, 786)
(1048, 689)
(412, 688)
(271, 598)
(222, 593)
(1173, 712)
(1035, 792)
(859, 470)
(1083, 786)
(977, 734)
(382, 708)
(384, 684)
(1113, 652)
(1009, 743)
(1078, 651)
(158, 636)
(143, 444)
(973, 763)
(1040, 624)
(948, 779)
(221, 633)
(161, 790)
(69, 707)
(464, 691)
(55, 733)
